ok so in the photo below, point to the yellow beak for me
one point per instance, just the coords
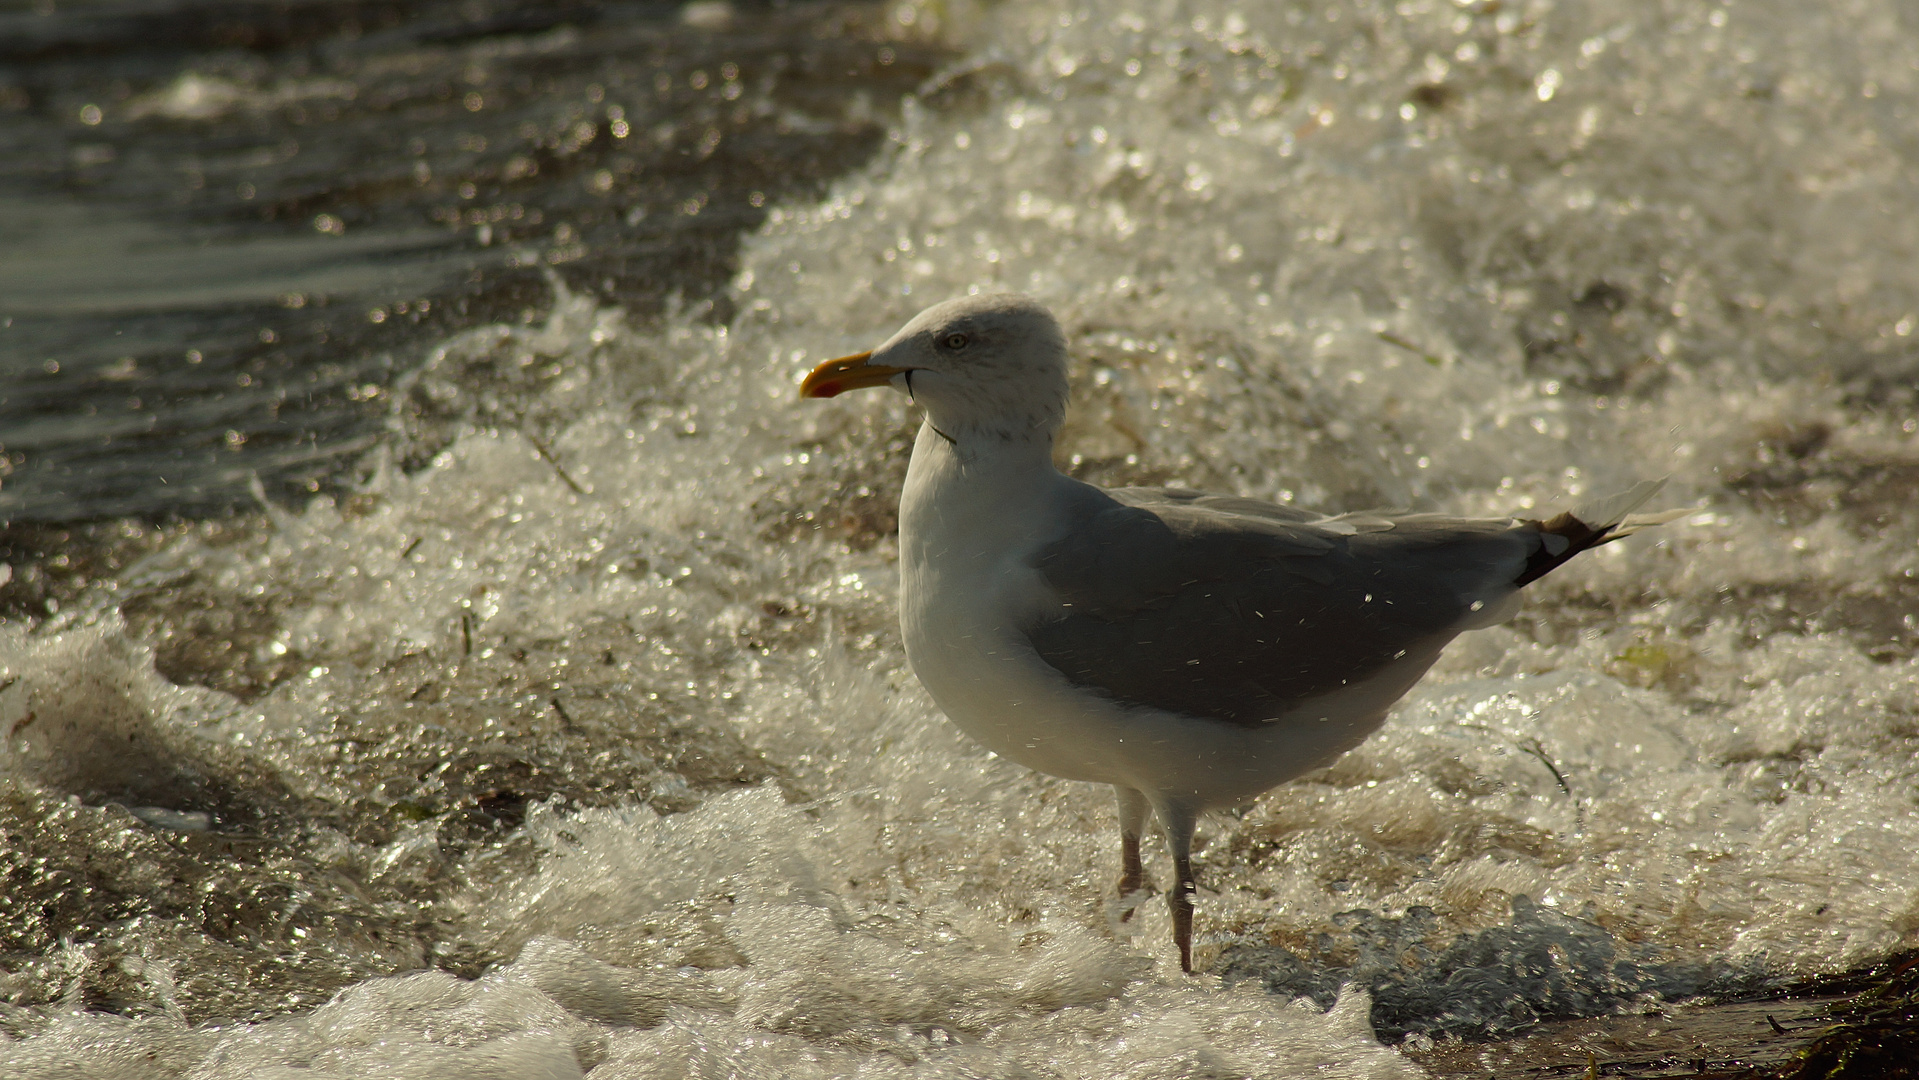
(835, 377)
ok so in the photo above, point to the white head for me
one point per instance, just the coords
(983, 367)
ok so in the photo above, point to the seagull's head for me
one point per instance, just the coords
(981, 366)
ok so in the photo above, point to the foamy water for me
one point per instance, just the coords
(614, 729)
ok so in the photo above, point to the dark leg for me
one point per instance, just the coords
(1181, 901)
(1132, 820)
(1131, 874)
(1179, 836)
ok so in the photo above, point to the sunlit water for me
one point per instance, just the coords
(597, 753)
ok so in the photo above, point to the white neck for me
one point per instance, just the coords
(994, 450)
(972, 431)
(991, 490)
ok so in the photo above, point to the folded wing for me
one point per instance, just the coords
(1241, 611)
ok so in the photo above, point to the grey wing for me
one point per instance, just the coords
(1201, 606)
(1159, 498)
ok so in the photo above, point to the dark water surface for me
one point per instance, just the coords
(227, 227)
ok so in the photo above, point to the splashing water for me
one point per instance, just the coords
(611, 732)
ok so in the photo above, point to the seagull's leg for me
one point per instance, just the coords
(1133, 809)
(1179, 822)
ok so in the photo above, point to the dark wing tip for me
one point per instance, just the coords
(1572, 535)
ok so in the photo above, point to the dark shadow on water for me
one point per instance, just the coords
(1544, 965)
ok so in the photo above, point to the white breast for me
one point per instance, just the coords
(967, 531)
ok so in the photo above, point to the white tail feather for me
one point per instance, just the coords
(1612, 509)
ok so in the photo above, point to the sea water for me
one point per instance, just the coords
(597, 754)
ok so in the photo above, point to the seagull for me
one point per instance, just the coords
(1191, 650)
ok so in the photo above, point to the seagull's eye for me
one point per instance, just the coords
(955, 341)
